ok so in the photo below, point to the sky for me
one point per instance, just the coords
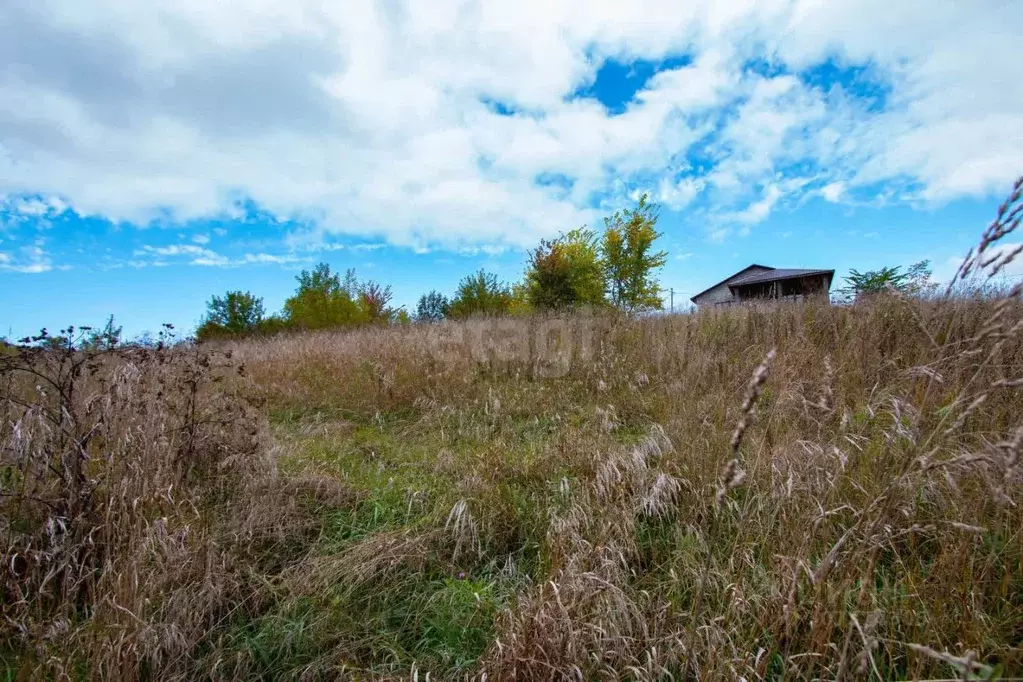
(155, 154)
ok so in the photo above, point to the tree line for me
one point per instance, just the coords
(580, 268)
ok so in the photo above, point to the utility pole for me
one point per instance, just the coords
(672, 290)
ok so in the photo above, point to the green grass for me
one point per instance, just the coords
(407, 470)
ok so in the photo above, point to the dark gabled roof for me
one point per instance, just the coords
(729, 278)
(744, 277)
(777, 274)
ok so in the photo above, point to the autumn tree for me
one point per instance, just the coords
(565, 272)
(373, 300)
(629, 261)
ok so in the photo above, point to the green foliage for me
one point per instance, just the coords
(520, 304)
(235, 314)
(323, 300)
(874, 281)
(432, 307)
(481, 293)
(274, 324)
(576, 269)
(373, 299)
(548, 279)
(105, 338)
(916, 280)
(920, 282)
(565, 272)
(628, 260)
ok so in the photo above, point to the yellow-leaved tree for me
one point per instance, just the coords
(628, 258)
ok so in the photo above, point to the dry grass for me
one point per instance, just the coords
(801, 492)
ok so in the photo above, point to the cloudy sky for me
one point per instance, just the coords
(154, 153)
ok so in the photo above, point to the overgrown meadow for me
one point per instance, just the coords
(798, 491)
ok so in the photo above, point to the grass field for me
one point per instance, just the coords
(798, 491)
(768, 493)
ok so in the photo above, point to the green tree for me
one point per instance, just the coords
(272, 324)
(566, 272)
(480, 293)
(628, 259)
(109, 336)
(919, 282)
(234, 314)
(519, 303)
(916, 280)
(324, 300)
(432, 307)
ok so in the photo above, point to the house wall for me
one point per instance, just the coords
(719, 294)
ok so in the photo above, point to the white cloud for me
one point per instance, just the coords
(759, 210)
(201, 239)
(31, 208)
(366, 247)
(215, 260)
(286, 259)
(198, 255)
(176, 250)
(34, 210)
(34, 207)
(31, 259)
(370, 119)
(678, 195)
(718, 234)
(30, 268)
(833, 191)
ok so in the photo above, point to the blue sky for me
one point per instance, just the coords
(142, 172)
